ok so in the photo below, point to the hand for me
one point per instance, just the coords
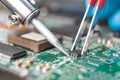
(114, 21)
(111, 11)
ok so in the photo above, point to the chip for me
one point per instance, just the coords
(8, 52)
(32, 40)
(75, 52)
(33, 36)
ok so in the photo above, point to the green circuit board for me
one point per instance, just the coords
(102, 62)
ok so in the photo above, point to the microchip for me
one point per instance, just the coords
(32, 40)
(75, 52)
(10, 52)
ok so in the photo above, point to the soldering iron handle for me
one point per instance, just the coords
(23, 8)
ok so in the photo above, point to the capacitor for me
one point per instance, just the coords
(109, 43)
(31, 61)
(19, 63)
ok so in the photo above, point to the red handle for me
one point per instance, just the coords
(92, 2)
(101, 3)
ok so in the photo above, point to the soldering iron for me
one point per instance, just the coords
(23, 12)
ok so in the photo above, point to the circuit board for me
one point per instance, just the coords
(102, 62)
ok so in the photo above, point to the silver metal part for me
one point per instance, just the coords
(49, 35)
(90, 32)
(80, 31)
(24, 8)
(14, 19)
(28, 13)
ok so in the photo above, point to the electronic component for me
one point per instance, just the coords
(31, 61)
(75, 52)
(19, 63)
(27, 66)
(31, 40)
(41, 65)
(46, 68)
(109, 43)
(8, 52)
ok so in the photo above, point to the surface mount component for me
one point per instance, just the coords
(31, 40)
(75, 52)
(10, 52)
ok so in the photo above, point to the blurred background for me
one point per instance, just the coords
(61, 16)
